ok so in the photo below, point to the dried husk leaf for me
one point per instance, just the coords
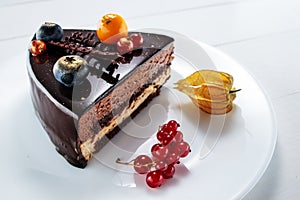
(210, 90)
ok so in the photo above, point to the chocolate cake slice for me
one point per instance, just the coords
(81, 119)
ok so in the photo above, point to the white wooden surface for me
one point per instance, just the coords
(262, 35)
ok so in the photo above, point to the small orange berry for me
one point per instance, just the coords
(111, 28)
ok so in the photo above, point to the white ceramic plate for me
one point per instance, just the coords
(229, 152)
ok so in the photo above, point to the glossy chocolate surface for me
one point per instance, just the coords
(106, 72)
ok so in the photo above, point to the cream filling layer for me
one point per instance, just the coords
(88, 147)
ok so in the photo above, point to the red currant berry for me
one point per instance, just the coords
(173, 133)
(161, 165)
(154, 179)
(137, 40)
(37, 47)
(161, 135)
(155, 147)
(184, 154)
(169, 172)
(164, 128)
(173, 122)
(178, 137)
(172, 158)
(124, 45)
(184, 148)
(172, 148)
(142, 164)
(168, 138)
(173, 125)
(159, 152)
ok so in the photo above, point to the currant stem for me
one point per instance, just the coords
(133, 165)
(125, 163)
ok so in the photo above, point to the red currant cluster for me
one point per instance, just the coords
(127, 44)
(165, 155)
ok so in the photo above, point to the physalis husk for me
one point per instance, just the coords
(210, 90)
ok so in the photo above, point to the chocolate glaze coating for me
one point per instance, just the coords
(59, 107)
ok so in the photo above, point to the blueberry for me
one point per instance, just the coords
(49, 31)
(67, 78)
(70, 70)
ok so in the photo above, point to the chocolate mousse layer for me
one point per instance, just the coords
(77, 118)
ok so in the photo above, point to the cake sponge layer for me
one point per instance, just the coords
(117, 106)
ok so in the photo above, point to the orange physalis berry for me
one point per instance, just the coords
(111, 28)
